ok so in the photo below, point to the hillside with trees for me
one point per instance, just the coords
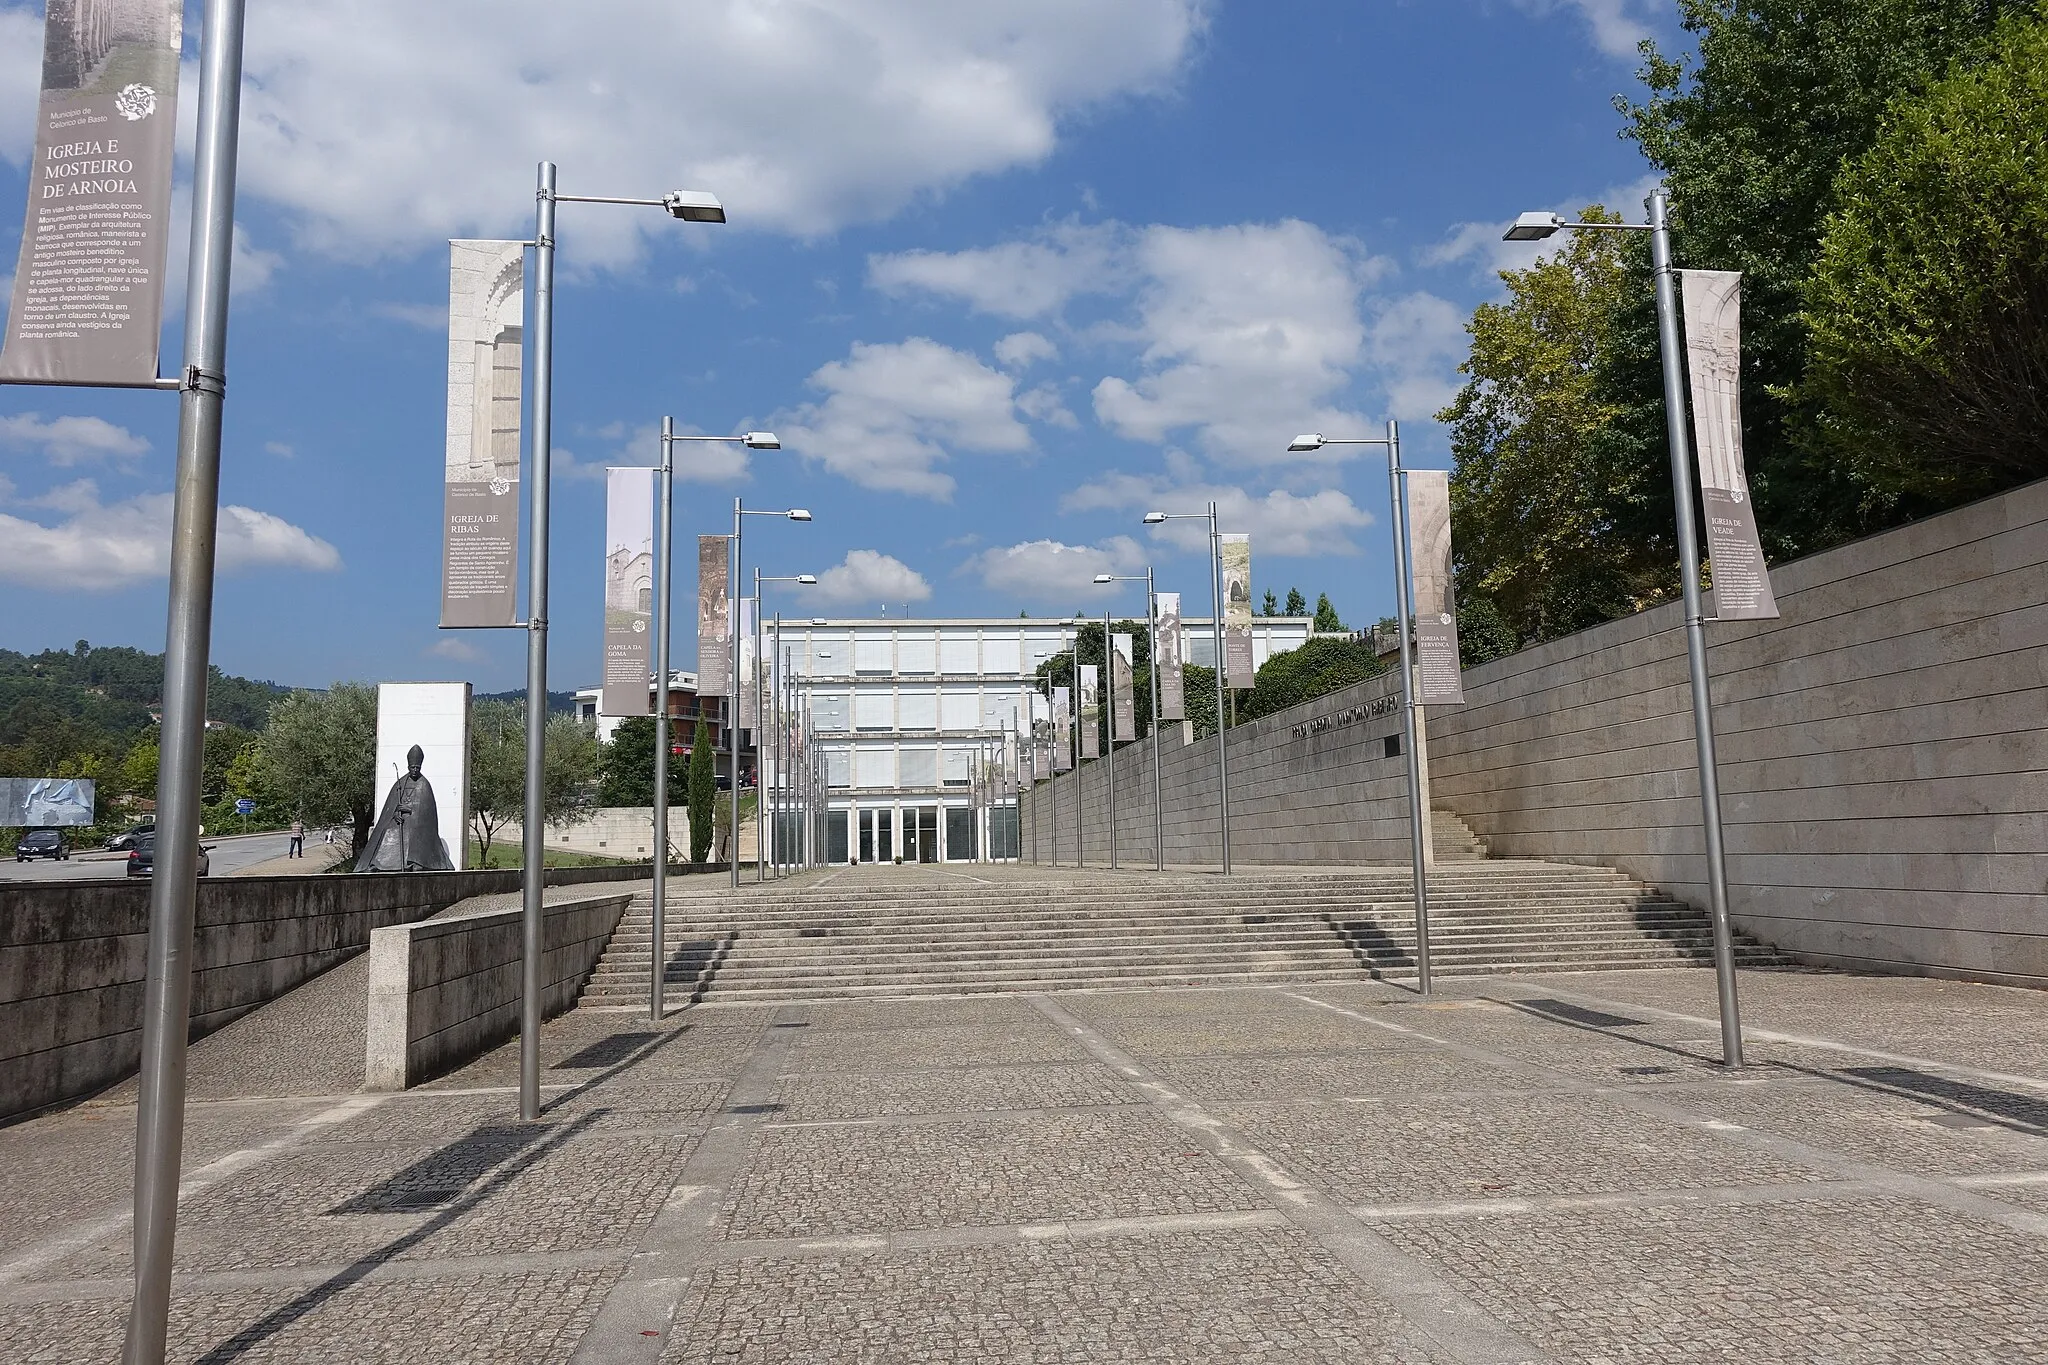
(1875, 170)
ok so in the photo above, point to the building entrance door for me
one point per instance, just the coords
(921, 834)
(876, 845)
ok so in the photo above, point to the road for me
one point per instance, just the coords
(230, 853)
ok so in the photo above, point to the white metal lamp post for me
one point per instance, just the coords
(732, 736)
(1418, 799)
(691, 206)
(1216, 623)
(1152, 650)
(761, 728)
(753, 440)
(1536, 227)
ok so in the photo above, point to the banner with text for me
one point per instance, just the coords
(89, 283)
(1713, 353)
(1438, 678)
(1091, 711)
(628, 592)
(714, 617)
(480, 497)
(1238, 669)
(1173, 704)
(1123, 703)
(1062, 729)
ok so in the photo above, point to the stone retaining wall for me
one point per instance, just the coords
(72, 957)
(1884, 757)
(446, 990)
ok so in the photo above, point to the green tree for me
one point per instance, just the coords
(1751, 136)
(1326, 615)
(1271, 606)
(318, 756)
(497, 770)
(1297, 605)
(703, 793)
(1483, 633)
(1929, 305)
(626, 766)
(1316, 669)
(1552, 532)
(138, 769)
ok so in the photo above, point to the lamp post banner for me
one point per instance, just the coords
(1438, 679)
(89, 283)
(750, 663)
(628, 592)
(1236, 553)
(1123, 707)
(1062, 729)
(1713, 353)
(1173, 702)
(1091, 711)
(480, 526)
(714, 617)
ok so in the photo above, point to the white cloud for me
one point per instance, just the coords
(428, 317)
(1043, 404)
(70, 440)
(1416, 343)
(1249, 332)
(801, 117)
(1616, 25)
(450, 647)
(21, 79)
(1024, 279)
(1281, 523)
(867, 579)
(1047, 570)
(282, 449)
(113, 546)
(1022, 350)
(892, 412)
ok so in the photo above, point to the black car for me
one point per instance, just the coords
(142, 858)
(41, 843)
(130, 838)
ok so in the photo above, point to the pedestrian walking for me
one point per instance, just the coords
(297, 847)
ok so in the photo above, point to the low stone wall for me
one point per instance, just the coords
(72, 958)
(446, 990)
(1883, 746)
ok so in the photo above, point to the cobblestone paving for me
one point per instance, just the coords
(1553, 1171)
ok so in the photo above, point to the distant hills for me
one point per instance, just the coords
(559, 703)
(111, 690)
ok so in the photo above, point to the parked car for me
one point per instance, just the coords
(41, 843)
(142, 858)
(129, 838)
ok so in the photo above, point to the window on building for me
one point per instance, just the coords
(874, 710)
(831, 712)
(920, 768)
(917, 652)
(838, 767)
(959, 652)
(874, 654)
(960, 710)
(917, 710)
(876, 767)
(1000, 656)
(959, 767)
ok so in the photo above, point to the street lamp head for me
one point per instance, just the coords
(1534, 227)
(1154, 518)
(1105, 578)
(809, 580)
(1310, 441)
(694, 206)
(760, 440)
(799, 514)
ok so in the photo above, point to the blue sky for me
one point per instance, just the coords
(1003, 276)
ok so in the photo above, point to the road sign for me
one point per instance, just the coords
(244, 806)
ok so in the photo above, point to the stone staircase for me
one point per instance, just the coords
(892, 931)
(1452, 839)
